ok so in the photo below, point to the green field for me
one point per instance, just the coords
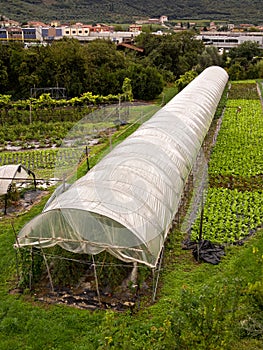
(234, 208)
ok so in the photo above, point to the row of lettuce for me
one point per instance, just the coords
(234, 202)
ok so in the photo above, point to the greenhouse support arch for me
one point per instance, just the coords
(126, 203)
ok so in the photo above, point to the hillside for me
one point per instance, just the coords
(121, 11)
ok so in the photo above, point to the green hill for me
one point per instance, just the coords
(121, 11)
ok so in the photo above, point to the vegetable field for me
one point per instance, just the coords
(198, 306)
(42, 162)
(51, 142)
(234, 203)
(230, 215)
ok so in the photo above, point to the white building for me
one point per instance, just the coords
(228, 40)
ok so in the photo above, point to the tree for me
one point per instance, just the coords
(11, 57)
(209, 57)
(47, 68)
(177, 52)
(242, 62)
(105, 67)
(70, 60)
(127, 89)
(147, 83)
(190, 49)
(236, 72)
(247, 50)
(148, 42)
(259, 66)
(185, 79)
(28, 76)
(3, 77)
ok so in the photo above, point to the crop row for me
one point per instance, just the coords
(47, 115)
(46, 101)
(21, 134)
(234, 202)
(245, 90)
(230, 215)
(239, 146)
(42, 159)
(65, 159)
(48, 133)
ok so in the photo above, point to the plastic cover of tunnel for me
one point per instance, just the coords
(10, 173)
(126, 203)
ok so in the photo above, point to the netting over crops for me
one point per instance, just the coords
(10, 173)
(126, 203)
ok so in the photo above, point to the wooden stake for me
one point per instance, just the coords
(96, 279)
(48, 270)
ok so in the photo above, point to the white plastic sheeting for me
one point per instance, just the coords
(126, 203)
(9, 173)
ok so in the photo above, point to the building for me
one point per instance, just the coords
(228, 40)
(75, 30)
(51, 33)
(3, 34)
(8, 23)
(135, 28)
(32, 34)
(20, 34)
(79, 31)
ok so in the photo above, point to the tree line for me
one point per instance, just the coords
(98, 66)
(101, 67)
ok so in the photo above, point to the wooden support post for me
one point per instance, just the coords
(48, 270)
(96, 279)
(5, 210)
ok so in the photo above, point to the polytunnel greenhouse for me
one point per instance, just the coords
(126, 203)
(11, 173)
